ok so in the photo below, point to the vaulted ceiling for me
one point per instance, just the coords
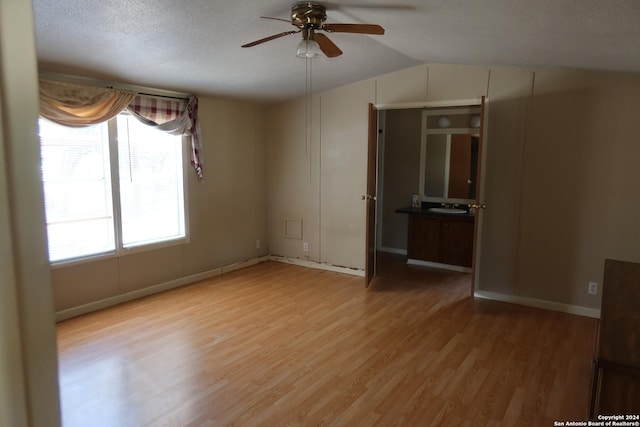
(194, 46)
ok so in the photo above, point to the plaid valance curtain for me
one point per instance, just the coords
(78, 105)
(171, 115)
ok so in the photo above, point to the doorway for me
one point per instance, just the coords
(401, 175)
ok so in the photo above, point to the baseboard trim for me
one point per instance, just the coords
(392, 250)
(318, 265)
(130, 296)
(538, 303)
(421, 263)
(244, 264)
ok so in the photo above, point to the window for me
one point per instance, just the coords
(111, 187)
(150, 168)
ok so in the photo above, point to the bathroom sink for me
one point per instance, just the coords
(447, 210)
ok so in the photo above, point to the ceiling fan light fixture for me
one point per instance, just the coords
(308, 49)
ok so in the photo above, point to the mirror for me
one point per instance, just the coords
(449, 154)
(451, 166)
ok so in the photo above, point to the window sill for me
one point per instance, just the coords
(119, 253)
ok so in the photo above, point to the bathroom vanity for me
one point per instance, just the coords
(439, 239)
(440, 234)
(440, 177)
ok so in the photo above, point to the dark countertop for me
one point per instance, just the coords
(425, 211)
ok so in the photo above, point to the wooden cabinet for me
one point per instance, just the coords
(445, 240)
(423, 241)
(616, 375)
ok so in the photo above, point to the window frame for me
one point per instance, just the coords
(114, 169)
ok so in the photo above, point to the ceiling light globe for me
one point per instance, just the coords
(308, 49)
(444, 122)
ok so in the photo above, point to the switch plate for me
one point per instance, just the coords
(593, 288)
(305, 247)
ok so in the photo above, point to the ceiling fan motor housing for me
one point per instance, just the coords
(308, 15)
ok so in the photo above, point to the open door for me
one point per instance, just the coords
(370, 197)
(478, 205)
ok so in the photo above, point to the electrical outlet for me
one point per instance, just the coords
(258, 244)
(305, 247)
(593, 288)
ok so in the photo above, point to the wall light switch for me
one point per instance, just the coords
(593, 288)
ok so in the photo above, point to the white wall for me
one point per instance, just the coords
(509, 98)
(581, 154)
(294, 169)
(28, 360)
(343, 159)
(560, 158)
(321, 180)
(227, 214)
(13, 398)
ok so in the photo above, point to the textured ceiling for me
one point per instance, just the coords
(194, 46)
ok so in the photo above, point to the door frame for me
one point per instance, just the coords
(371, 196)
(483, 102)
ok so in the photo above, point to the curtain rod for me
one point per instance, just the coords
(142, 90)
(152, 94)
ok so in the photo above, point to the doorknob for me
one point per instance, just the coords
(369, 197)
(477, 206)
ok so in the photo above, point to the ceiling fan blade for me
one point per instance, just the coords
(327, 46)
(266, 39)
(277, 19)
(367, 5)
(354, 28)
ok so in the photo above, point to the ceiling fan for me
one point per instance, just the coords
(309, 18)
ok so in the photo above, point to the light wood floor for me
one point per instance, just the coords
(278, 345)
